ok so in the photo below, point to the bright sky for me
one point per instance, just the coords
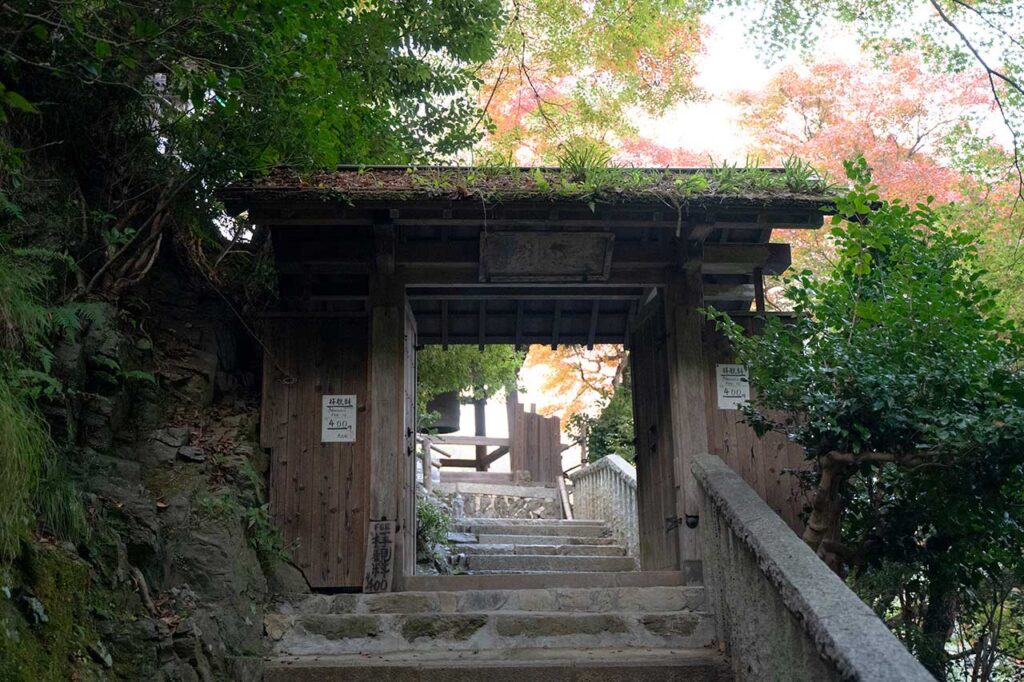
(731, 63)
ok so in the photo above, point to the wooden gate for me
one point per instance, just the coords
(318, 491)
(655, 469)
(535, 445)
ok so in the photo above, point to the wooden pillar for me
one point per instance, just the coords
(480, 424)
(389, 461)
(687, 395)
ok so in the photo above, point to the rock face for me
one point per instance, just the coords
(183, 561)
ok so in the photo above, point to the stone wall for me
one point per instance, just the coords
(490, 501)
(781, 612)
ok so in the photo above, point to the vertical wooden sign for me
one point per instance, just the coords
(380, 557)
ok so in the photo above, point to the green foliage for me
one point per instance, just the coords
(583, 159)
(259, 83)
(25, 444)
(900, 378)
(611, 431)
(472, 372)
(59, 505)
(432, 526)
(264, 535)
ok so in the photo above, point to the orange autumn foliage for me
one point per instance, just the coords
(575, 379)
(913, 126)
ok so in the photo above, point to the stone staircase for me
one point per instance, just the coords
(539, 546)
(645, 627)
(549, 599)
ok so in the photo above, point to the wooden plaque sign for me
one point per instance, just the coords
(545, 256)
(380, 557)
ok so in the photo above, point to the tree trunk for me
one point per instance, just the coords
(939, 619)
(823, 526)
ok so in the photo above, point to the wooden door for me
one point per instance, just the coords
(655, 471)
(318, 491)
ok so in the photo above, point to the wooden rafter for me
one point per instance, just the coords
(592, 332)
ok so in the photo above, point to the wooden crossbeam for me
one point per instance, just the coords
(461, 277)
(731, 258)
(469, 440)
(495, 455)
(728, 292)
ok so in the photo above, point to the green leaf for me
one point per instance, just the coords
(15, 100)
(102, 49)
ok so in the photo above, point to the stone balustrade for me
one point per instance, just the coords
(606, 491)
(779, 609)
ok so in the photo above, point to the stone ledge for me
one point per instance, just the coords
(846, 633)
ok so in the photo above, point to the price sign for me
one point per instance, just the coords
(733, 388)
(338, 419)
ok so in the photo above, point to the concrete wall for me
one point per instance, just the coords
(782, 613)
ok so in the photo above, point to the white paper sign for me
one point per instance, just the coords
(338, 419)
(733, 389)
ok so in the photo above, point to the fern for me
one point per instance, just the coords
(139, 375)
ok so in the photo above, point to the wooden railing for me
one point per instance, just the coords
(606, 490)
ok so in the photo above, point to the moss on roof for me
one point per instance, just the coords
(791, 185)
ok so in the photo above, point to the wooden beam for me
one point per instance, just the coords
(728, 292)
(593, 324)
(759, 290)
(556, 324)
(519, 325)
(461, 463)
(567, 294)
(483, 324)
(468, 440)
(732, 258)
(461, 277)
(629, 323)
(543, 339)
(444, 324)
(495, 455)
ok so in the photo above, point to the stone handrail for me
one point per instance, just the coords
(606, 490)
(780, 610)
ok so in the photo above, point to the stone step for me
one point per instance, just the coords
(543, 540)
(493, 489)
(332, 634)
(554, 599)
(542, 665)
(526, 563)
(525, 581)
(503, 528)
(548, 549)
(568, 523)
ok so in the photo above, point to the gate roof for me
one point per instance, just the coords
(524, 255)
